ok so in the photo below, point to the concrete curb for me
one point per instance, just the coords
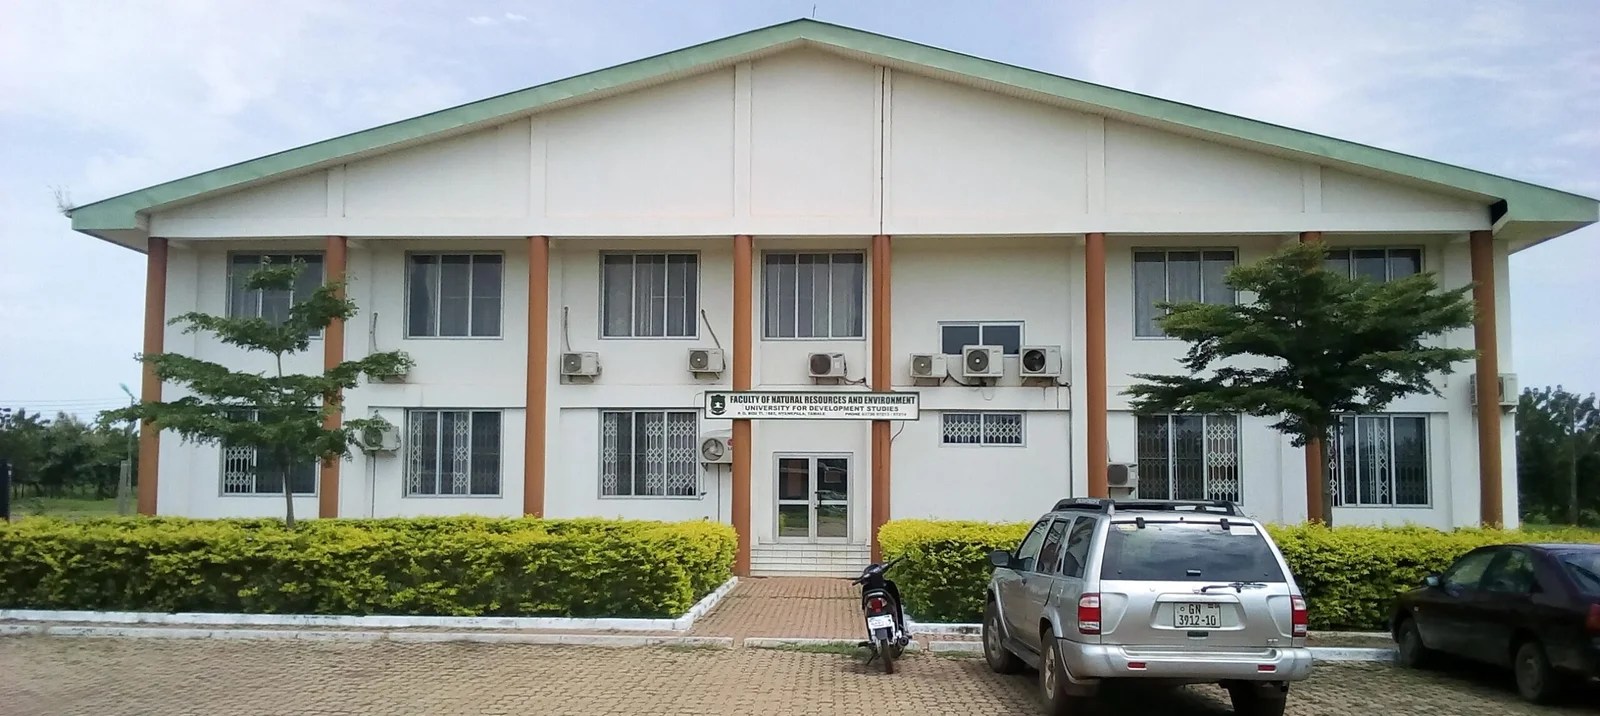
(917, 627)
(200, 619)
(1352, 653)
(139, 632)
(758, 642)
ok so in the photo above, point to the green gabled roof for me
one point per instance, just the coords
(1523, 202)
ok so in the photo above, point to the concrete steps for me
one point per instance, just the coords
(808, 560)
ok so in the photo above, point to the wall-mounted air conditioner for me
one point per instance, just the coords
(585, 364)
(395, 377)
(706, 360)
(716, 448)
(825, 365)
(1122, 480)
(1040, 361)
(929, 365)
(381, 438)
(1508, 393)
(982, 362)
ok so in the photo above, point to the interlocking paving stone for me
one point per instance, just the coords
(113, 677)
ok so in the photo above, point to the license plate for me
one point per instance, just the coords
(880, 622)
(1190, 615)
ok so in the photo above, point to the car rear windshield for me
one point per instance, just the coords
(1585, 570)
(1188, 552)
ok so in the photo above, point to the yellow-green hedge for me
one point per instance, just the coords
(1350, 575)
(425, 566)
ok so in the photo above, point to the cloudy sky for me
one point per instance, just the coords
(98, 98)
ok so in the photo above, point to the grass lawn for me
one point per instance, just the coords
(72, 508)
(1537, 528)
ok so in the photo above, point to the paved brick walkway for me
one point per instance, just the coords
(810, 607)
(112, 677)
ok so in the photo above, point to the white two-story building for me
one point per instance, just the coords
(577, 267)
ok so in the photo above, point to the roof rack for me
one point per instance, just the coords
(1109, 506)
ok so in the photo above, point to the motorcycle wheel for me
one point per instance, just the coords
(886, 654)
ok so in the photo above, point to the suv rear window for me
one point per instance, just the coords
(1585, 570)
(1188, 552)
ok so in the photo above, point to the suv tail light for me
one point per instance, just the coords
(1300, 617)
(877, 605)
(1594, 620)
(1089, 614)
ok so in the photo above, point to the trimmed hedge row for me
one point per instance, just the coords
(426, 566)
(1350, 575)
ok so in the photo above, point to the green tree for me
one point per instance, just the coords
(279, 414)
(21, 441)
(1332, 346)
(1558, 455)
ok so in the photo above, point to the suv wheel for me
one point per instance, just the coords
(1001, 660)
(1258, 699)
(1536, 680)
(1413, 653)
(1058, 701)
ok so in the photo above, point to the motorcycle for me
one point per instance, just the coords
(886, 620)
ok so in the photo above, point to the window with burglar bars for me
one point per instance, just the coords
(649, 453)
(1378, 264)
(1381, 460)
(1189, 457)
(650, 295)
(452, 452)
(271, 305)
(955, 335)
(248, 471)
(1177, 276)
(982, 428)
(453, 295)
(814, 295)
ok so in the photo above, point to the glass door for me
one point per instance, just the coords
(814, 499)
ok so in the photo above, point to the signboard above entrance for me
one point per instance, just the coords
(811, 405)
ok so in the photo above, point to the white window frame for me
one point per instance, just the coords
(633, 416)
(1166, 287)
(1349, 251)
(500, 326)
(984, 417)
(1335, 466)
(279, 258)
(439, 454)
(767, 328)
(1170, 478)
(255, 458)
(1022, 332)
(691, 322)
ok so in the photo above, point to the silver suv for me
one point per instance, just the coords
(1158, 591)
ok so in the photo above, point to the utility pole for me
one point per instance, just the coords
(125, 472)
(5, 471)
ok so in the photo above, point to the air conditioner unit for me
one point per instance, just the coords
(399, 377)
(929, 365)
(584, 364)
(982, 362)
(705, 360)
(1508, 392)
(376, 439)
(1040, 361)
(825, 365)
(1122, 479)
(716, 448)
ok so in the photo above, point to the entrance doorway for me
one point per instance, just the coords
(813, 498)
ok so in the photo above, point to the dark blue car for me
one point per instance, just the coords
(1534, 608)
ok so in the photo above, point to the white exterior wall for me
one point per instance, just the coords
(987, 195)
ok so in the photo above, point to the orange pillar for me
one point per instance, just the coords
(881, 360)
(1487, 344)
(1313, 451)
(1094, 360)
(155, 324)
(743, 356)
(533, 438)
(336, 251)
